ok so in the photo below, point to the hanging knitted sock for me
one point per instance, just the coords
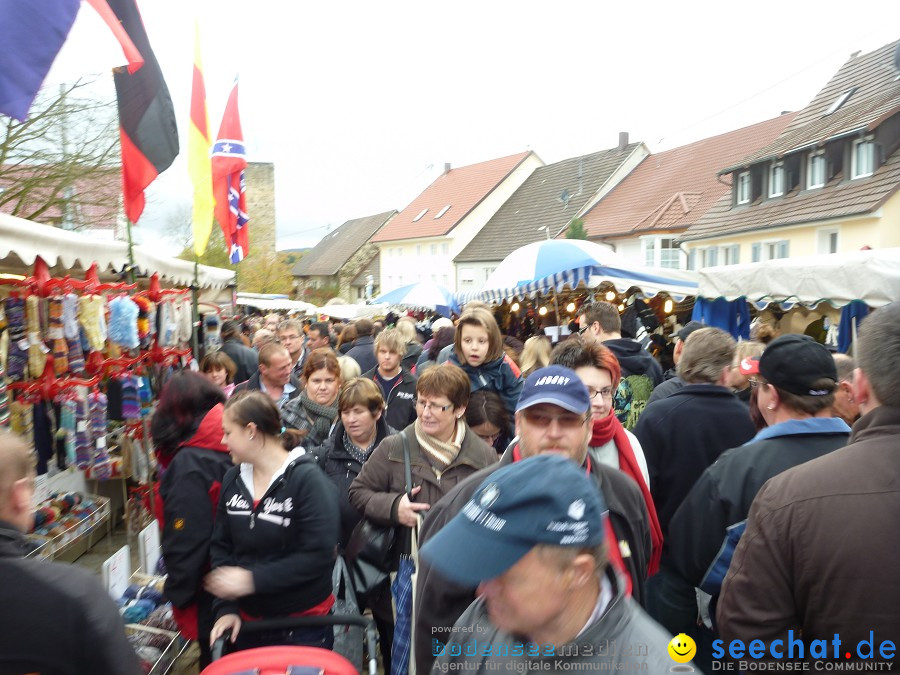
(4, 399)
(123, 322)
(90, 316)
(57, 334)
(185, 322)
(67, 427)
(70, 316)
(21, 421)
(83, 445)
(37, 351)
(131, 403)
(76, 355)
(97, 401)
(17, 355)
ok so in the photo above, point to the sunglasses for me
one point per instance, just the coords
(565, 421)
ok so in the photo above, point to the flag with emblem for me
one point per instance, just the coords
(229, 184)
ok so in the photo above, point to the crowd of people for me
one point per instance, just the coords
(564, 496)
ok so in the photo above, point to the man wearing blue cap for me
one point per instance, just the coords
(553, 416)
(548, 600)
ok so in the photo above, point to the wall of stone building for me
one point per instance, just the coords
(260, 177)
(353, 267)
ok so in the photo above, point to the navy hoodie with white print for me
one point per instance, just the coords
(287, 540)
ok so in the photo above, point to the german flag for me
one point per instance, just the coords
(147, 129)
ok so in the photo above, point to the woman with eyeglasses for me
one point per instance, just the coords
(611, 443)
(443, 452)
(486, 415)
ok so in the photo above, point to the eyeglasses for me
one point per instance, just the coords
(434, 407)
(583, 328)
(605, 393)
(565, 421)
(755, 381)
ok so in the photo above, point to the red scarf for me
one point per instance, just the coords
(612, 541)
(604, 431)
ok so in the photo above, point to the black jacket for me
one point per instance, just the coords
(413, 352)
(287, 541)
(190, 493)
(635, 360)
(440, 602)
(246, 359)
(57, 619)
(666, 389)
(341, 468)
(683, 434)
(399, 404)
(253, 384)
(363, 352)
(724, 493)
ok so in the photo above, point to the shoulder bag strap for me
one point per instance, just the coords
(406, 464)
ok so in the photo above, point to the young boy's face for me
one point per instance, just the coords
(388, 361)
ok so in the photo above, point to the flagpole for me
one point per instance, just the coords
(131, 274)
(195, 310)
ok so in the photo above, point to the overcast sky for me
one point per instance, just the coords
(359, 104)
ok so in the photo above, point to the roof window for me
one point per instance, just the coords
(839, 101)
(419, 217)
(442, 211)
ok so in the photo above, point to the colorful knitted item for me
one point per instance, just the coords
(70, 316)
(37, 352)
(92, 319)
(76, 355)
(17, 359)
(123, 322)
(131, 402)
(57, 334)
(4, 399)
(97, 401)
(83, 444)
(21, 421)
(67, 428)
(185, 321)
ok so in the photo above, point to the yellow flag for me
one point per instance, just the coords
(199, 163)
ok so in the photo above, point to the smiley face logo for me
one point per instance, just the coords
(682, 648)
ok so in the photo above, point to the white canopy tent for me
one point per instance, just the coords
(21, 241)
(837, 278)
(268, 302)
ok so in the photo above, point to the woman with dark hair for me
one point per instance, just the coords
(486, 415)
(276, 529)
(315, 410)
(187, 433)
(441, 339)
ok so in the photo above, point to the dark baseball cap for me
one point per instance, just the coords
(556, 385)
(689, 328)
(794, 363)
(515, 509)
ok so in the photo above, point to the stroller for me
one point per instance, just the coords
(292, 660)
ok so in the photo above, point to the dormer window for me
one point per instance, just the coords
(776, 180)
(863, 160)
(743, 187)
(815, 171)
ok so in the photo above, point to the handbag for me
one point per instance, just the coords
(372, 549)
(348, 639)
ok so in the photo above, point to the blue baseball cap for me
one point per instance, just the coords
(556, 385)
(515, 509)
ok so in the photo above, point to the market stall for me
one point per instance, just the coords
(829, 291)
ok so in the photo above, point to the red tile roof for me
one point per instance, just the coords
(673, 189)
(462, 189)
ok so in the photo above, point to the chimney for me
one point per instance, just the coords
(623, 140)
(446, 167)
